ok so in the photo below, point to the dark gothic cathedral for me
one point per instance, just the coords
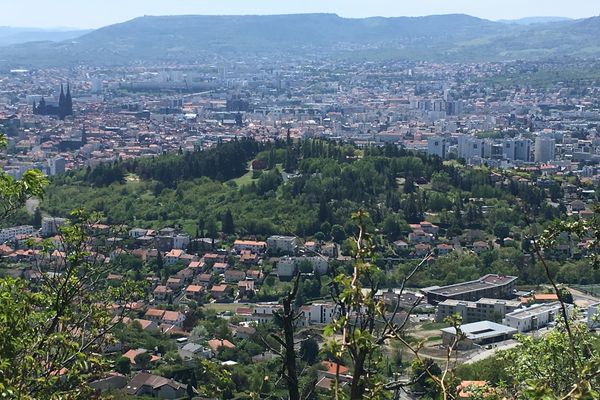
(64, 108)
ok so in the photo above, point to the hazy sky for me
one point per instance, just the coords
(96, 13)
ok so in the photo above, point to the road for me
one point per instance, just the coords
(583, 300)
(489, 353)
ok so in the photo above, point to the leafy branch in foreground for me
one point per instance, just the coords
(364, 326)
(564, 363)
(15, 192)
(53, 332)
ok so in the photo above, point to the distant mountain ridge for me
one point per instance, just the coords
(534, 20)
(13, 35)
(191, 38)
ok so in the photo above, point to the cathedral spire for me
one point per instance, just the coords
(68, 101)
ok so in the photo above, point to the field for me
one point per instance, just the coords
(224, 307)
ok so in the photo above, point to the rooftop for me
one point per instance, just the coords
(485, 282)
(455, 302)
(534, 310)
(481, 330)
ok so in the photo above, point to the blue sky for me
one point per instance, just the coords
(96, 13)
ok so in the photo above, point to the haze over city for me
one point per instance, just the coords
(97, 13)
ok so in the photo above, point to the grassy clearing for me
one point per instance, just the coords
(224, 307)
(433, 326)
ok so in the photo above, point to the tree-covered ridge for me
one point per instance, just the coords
(325, 182)
(226, 161)
(455, 37)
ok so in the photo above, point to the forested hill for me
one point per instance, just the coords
(226, 161)
(324, 184)
(193, 38)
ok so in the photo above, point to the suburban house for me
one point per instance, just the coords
(132, 354)
(173, 318)
(173, 256)
(204, 280)
(234, 275)
(480, 247)
(162, 293)
(194, 292)
(400, 245)
(444, 248)
(174, 283)
(327, 375)
(220, 267)
(156, 386)
(219, 292)
(154, 314)
(245, 287)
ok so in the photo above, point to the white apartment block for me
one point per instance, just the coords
(10, 234)
(50, 225)
(319, 313)
(181, 241)
(284, 244)
(437, 146)
(534, 317)
(474, 311)
(287, 266)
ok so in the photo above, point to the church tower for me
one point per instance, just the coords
(68, 101)
(61, 103)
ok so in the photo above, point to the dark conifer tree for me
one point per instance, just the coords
(228, 226)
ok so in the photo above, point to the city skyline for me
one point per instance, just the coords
(95, 14)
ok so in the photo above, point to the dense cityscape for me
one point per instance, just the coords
(221, 226)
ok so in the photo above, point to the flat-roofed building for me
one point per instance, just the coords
(10, 234)
(283, 244)
(51, 225)
(534, 317)
(473, 311)
(478, 334)
(252, 245)
(489, 286)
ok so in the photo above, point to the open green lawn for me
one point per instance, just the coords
(245, 179)
(433, 326)
(223, 307)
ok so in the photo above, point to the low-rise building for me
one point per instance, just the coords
(477, 334)
(155, 386)
(489, 286)
(219, 292)
(194, 292)
(173, 318)
(254, 246)
(287, 266)
(162, 293)
(282, 244)
(10, 234)
(534, 317)
(473, 311)
(51, 225)
(173, 256)
(319, 313)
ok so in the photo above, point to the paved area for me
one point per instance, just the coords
(583, 300)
